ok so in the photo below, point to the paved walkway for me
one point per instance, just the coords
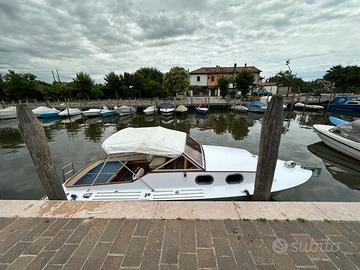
(94, 243)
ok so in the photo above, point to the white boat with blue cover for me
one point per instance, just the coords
(338, 121)
(161, 164)
(45, 112)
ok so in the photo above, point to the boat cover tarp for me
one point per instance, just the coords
(156, 141)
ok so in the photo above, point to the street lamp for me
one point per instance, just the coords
(288, 65)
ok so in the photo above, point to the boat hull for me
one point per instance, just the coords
(201, 110)
(340, 144)
(108, 113)
(48, 115)
(179, 185)
(91, 113)
(8, 113)
(167, 111)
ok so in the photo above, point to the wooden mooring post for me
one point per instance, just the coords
(36, 142)
(269, 148)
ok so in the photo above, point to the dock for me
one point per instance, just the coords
(179, 235)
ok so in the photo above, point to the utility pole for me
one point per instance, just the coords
(57, 72)
(53, 75)
(289, 85)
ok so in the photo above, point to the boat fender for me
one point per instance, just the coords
(290, 164)
(73, 197)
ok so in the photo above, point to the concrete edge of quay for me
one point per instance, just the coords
(311, 211)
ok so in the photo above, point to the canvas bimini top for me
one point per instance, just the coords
(156, 141)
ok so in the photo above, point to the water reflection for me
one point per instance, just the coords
(343, 168)
(10, 138)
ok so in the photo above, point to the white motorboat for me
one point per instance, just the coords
(156, 163)
(8, 113)
(69, 112)
(300, 105)
(181, 109)
(167, 108)
(344, 138)
(125, 110)
(239, 108)
(45, 112)
(150, 110)
(91, 112)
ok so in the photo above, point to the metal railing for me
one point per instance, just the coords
(66, 171)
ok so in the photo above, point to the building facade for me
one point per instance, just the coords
(205, 79)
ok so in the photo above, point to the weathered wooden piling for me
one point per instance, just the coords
(269, 148)
(36, 142)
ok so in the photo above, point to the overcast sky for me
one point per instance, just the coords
(102, 36)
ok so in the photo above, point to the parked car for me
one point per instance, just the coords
(261, 93)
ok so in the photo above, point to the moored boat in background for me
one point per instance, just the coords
(344, 103)
(256, 106)
(181, 109)
(105, 112)
(69, 112)
(201, 109)
(92, 112)
(344, 138)
(309, 107)
(125, 110)
(8, 113)
(338, 121)
(45, 112)
(150, 110)
(167, 108)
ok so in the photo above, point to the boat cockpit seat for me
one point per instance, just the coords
(155, 161)
(139, 173)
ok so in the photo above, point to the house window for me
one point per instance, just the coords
(212, 78)
(204, 180)
(198, 78)
(234, 179)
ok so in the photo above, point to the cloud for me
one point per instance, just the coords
(100, 36)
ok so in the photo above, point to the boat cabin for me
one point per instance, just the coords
(119, 167)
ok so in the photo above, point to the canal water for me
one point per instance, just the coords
(78, 140)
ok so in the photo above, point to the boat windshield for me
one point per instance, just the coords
(347, 132)
(167, 105)
(193, 150)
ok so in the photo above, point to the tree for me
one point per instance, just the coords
(322, 86)
(284, 78)
(113, 85)
(243, 81)
(177, 81)
(346, 79)
(148, 82)
(223, 85)
(20, 86)
(96, 91)
(2, 87)
(83, 83)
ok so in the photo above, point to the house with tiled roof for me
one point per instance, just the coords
(205, 79)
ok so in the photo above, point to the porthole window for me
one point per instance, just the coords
(204, 180)
(234, 179)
